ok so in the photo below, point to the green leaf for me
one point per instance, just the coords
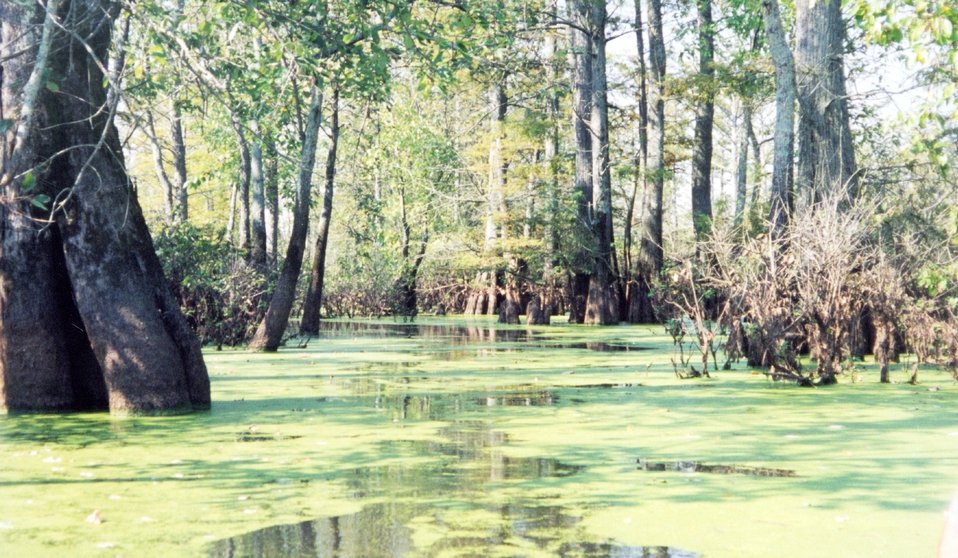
(29, 181)
(942, 29)
(52, 86)
(40, 200)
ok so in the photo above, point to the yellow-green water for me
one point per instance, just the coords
(455, 438)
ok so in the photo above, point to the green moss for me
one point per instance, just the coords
(498, 442)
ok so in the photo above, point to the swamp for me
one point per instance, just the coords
(429, 278)
(454, 437)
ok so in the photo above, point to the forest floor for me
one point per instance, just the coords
(460, 437)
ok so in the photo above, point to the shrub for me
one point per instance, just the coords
(222, 296)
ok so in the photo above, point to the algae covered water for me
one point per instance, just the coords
(462, 438)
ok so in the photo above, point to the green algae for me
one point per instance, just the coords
(483, 439)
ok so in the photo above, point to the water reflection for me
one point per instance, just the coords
(469, 335)
(607, 550)
(432, 496)
(696, 467)
(471, 456)
(449, 333)
(535, 399)
(390, 530)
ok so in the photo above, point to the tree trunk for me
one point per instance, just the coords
(600, 305)
(758, 187)
(231, 219)
(651, 256)
(405, 284)
(87, 319)
(272, 201)
(314, 294)
(270, 332)
(741, 168)
(705, 115)
(243, 238)
(489, 282)
(782, 192)
(258, 250)
(551, 162)
(582, 260)
(826, 155)
(637, 294)
(178, 146)
(156, 150)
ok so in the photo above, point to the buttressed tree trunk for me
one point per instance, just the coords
(269, 334)
(581, 114)
(87, 320)
(551, 162)
(826, 154)
(497, 191)
(639, 303)
(651, 256)
(704, 117)
(485, 297)
(314, 294)
(600, 306)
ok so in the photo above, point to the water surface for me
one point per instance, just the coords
(462, 438)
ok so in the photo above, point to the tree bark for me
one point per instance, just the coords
(314, 294)
(156, 150)
(551, 162)
(485, 299)
(243, 190)
(272, 201)
(704, 117)
(741, 167)
(182, 213)
(258, 249)
(405, 284)
(652, 249)
(497, 192)
(600, 305)
(826, 154)
(638, 291)
(113, 333)
(582, 260)
(757, 189)
(231, 218)
(270, 332)
(651, 256)
(782, 175)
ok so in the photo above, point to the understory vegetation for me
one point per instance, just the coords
(698, 166)
(773, 183)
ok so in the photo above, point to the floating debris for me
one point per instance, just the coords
(609, 549)
(696, 467)
(606, 386)
(534, 399)
(254, 437)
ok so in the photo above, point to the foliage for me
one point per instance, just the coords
(221, 295)
(414, 170)
(815, 289)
